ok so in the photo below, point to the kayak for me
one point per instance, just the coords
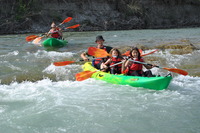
(53, 42)
(154, 83)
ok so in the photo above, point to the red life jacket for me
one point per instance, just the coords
(136, 66)
(97, 61)
(116, 60)
(117, 67)
(55, 33)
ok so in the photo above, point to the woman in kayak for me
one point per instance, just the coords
(97, 62)
(114, 59)
(55, 32)
(135, 69)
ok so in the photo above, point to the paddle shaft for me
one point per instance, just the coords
(175, 70)
(144, 63)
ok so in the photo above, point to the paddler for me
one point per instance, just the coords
(100, 45)
(135, 69)
(55, 32)
(116, 58)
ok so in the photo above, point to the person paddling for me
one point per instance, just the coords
(115, 58)
(135, 69)
(97, 62)
(55, 32)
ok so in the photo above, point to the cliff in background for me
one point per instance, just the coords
(24, 16)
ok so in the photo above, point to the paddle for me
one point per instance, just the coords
(63, 63)
(97, 52)
(31, 38)
(66, 20)
(72, 27)
(37, 40)
(84, 75)
(149, 53)
(127, 53)
(175, 70)
(87, 74)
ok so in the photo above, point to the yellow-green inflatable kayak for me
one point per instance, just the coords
(154, 83)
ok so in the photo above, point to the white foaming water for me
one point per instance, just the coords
(97, 106)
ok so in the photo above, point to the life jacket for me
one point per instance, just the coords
(55, 33)
(99, 60)
(136, 66)
(118, 67)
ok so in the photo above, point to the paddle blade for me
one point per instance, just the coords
(84, 75)
(127, 53)
(74, 26)
(66, 20)
(97, 52)
(37, 40)
(63, 63)
(149, 53)
(31, 38)
(175, 70)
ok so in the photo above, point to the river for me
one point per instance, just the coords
(38, 97)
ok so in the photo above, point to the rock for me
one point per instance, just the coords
(36, 16)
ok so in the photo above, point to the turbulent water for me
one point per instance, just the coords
(38, 97)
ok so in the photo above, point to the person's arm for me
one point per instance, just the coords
(108, 61)
(49, 33)
(148, 66)
(125, 65)
(60, 32)
(83, 56)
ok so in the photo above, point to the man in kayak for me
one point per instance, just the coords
(97, 62)
(55, 32)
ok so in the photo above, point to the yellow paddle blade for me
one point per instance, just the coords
(97, 52)
(175, 70)
(63, 63)
(84, 75)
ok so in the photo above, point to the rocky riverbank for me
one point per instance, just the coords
(25, 16)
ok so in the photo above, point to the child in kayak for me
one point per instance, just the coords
(55, 32)
(97, 62)
(116, 58)
(135, 69)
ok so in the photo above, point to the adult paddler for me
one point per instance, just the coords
(55, 31)
(97, 62)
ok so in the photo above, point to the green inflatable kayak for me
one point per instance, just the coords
(53, 42)
(154, 83)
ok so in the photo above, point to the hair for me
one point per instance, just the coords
(135, 48)
(115, 49)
